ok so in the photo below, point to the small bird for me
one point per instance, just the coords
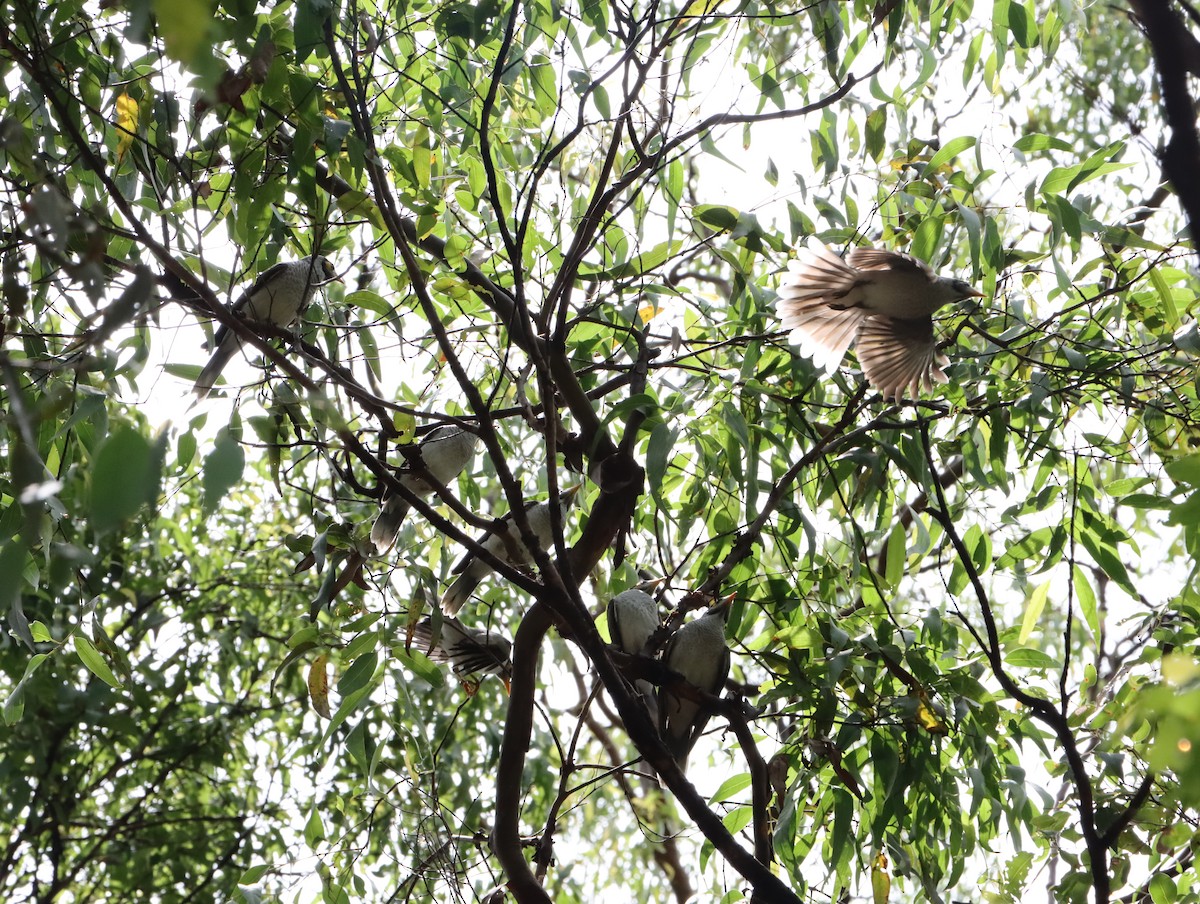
(633, 618)
(504, 543)
(441, 454)
(278, 297)
(697, 651)
(632, 621)
(885, 300)
(470, 651)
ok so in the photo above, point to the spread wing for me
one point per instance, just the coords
(899, 355)
(880, 259)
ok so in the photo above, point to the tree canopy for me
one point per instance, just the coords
(962, 626)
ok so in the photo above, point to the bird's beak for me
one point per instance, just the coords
(507, 684)
(330, 274)
(570, 492)
(975, 293)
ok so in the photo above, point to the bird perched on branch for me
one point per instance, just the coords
(697, 651)
(469, 651)
(632, 621)
(883, 299)
(441, 455)
(506, 544)
(278, 297)
(633, 618)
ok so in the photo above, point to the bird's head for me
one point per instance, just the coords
(962, 289)
(323, 271)
(720, 609)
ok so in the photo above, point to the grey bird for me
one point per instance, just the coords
(278, 297)
(633, 618)
(504, 543)
(632, 621)
(469, 651)
(441, 454)
(883, 299)
(697, 651)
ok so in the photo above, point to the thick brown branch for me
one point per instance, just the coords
(1169, 39)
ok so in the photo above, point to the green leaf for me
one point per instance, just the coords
(361, 671)
(876, 132)
(1086, 597)
(40, 632)
(1067, 178)
(124, 478)
(14, 706)
(222, 469)
(949, 151)
(1021, 24)
(14, 559)
(314, 829)
(421, 666)
(184, 25)
(738, 818)
(730, 787)
(1185, 470)
(897, 555)
(91, 658)
(1033, 611)
(979, 547)
(309, 25)
(637, 266)
(1038, 142)
(253, 874)
(1026, 658)
(1163, 889)
(715, 216)
(658, 454)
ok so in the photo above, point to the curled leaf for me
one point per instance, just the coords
(127, 120)
(318, 685)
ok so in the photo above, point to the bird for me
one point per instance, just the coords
(441, 455)
(469, 651)
(632, 621)
(883, 299)
(633, 618)
(698, 653)
(278, 297)
(504, 543)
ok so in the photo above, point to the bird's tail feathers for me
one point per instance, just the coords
(824, 334)
(458, 593)
(212, 370)
(387, 525)
(819, 273)
(807, 305)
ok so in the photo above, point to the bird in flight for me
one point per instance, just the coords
(884, 301)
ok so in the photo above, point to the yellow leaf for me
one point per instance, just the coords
(127, 120)
(318, 685)
(648, 312)
(929, 719)
(881, 882)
